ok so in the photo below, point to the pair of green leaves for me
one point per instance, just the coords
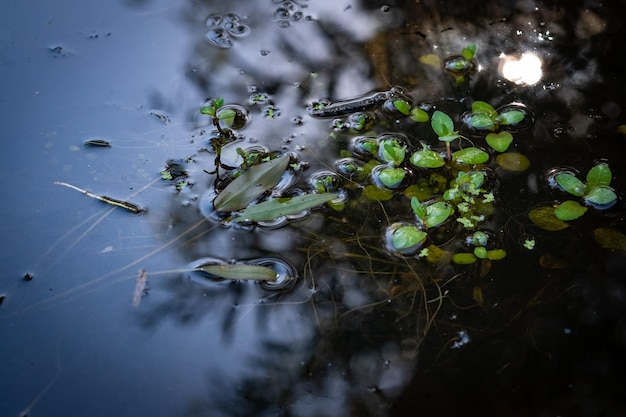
(443, 126)
(596, 191)
(258, 179)
(485, 117)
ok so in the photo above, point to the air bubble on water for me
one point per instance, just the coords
(219, 37)
(385, 8)
(265, 52)
(214, 20)
(286, 275)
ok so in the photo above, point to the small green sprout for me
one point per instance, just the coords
(529, 244)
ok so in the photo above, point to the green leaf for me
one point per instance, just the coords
(609, 238)
(403, 106)
(463, 258)
(511, 117)
(407, 236)
(438, 213)
(484, 107)
(392, 152)
(391, 177)
(496, 254)
(481, 121)
(449, 138)
(374, 193)
(480, 252)
(513, 161)
(571, 184)
(544, 218)
(599, 175)
(601, 196)
(469, 51)
(278, 207)
(251, 184)
(470, 156)
(442, 124)
(419, 209)
(427, 158)
(227, 116)
(239, 271)
(419, 115)
(499, 141)
(569, 210)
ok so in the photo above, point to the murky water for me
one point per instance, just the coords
(103, 312)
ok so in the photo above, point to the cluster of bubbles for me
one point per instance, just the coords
(289, 11)
(224, 28)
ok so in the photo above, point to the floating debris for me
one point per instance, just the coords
(140, 287)
(97, 143)
(133, 208)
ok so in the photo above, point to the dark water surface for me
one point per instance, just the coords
(540, 333)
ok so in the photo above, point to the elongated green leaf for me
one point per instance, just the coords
(418, 209)
(272, 209)
(251, 184)
(470, 156)
(569, 210)
(496, 254)
(599, 175)
(463, 258)
(239, 271)
(403, 106)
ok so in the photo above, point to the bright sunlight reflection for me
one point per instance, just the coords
(521, 70)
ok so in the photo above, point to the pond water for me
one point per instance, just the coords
(104, 312)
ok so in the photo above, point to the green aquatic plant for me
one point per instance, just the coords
(485, 117)
(595, 192)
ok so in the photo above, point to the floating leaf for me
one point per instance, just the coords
(471, 156)
(239, 271)
(407, 236)
(609, 238)
(485, 108)
(438, 213)
(278, 207)
(391, 177)
(419, 115)
(569, 210)
(480, 252)
(499, 141)
(375, 193)
(601, 196)
(544, 218)
(251, 184)
(403, 106)
(598, 176)
(571, 184)
(436, 254)
(496, 254)
(463, 258)
(392, 152)
(481, 121)
(419, 209)
(427, 158)
(511, 117)
(513, 161)
(550, 261)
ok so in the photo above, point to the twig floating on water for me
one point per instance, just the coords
(140, 287)
(133, 208)
(97, 143)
